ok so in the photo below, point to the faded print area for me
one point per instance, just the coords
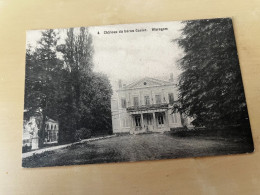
(133, 92)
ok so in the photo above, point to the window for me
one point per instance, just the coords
(160, 120)
(158, 99)
(171, 98)
(123, 103)
(51, 136)
(147, 100)
(54, 136)
(174, 117)
(136, 101)
(138, 121)
(125, 122)
(149, 120)
(48, 136)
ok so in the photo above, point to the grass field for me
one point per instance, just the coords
(138, 148)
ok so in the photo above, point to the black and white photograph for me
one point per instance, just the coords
(133, 92)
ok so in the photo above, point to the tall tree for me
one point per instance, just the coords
(42, 67)
(66, 88)
(90, 92)
(96, 103)
(77, 54)
(211, 88)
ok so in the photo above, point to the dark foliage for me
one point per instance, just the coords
(26, 149)
(241, 133)
(211, 88)
(65, 88)
(41, 81)
(82, 133)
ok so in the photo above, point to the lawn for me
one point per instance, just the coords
(138, 148)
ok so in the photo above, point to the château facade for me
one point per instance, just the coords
(145, 106)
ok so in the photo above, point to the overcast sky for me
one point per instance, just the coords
(134, 55)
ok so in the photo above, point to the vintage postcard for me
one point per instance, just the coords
(133, 92)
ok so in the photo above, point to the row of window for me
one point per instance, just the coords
(158, 100)
(51, 136)
(149, 120)
(51, 127)
(160, 120)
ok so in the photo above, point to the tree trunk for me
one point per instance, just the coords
(42, 130)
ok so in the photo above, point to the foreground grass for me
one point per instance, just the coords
(140, 147)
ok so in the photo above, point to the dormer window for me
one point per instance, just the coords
(158, 99)
(123, 103)
(147, 100)
(136, 101)
(171, 98)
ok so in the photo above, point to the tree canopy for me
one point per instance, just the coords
(211, 88)
(65, 88)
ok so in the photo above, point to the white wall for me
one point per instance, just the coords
(121, 120)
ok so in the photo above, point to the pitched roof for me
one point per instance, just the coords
(51, 120)
(147, 82)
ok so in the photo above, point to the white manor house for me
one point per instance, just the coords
(146, 106)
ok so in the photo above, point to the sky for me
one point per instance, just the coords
(130, 56)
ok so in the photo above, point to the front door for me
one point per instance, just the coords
(137, 123)
(150, 122)
(160, 121)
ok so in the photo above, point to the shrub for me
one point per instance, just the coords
(110, 132)
(82, 133)
(26, 148)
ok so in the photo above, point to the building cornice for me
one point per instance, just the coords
(147, 87)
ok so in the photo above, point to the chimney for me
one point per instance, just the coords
(171, 77)
(120, 83)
